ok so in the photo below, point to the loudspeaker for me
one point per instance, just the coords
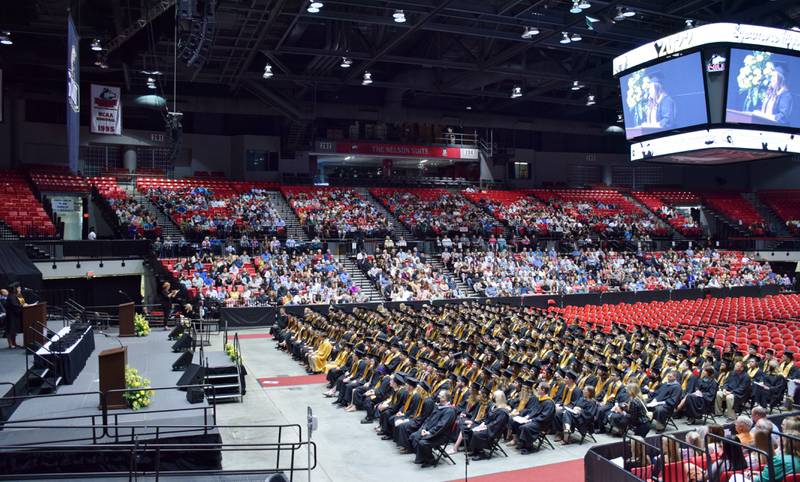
(183, 344)
(183, 361)
(195, 395)
(193, 375)
(176, 332)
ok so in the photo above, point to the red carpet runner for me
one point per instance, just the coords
(571, 471)
(291, 381)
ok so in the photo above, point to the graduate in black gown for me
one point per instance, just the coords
(491, 428)
(13, 306)
(664, 399)
(578, 416)
(769, 387)
(630, 414)
(403, 432)
(538, 421)
(435, 431)
(697, 402)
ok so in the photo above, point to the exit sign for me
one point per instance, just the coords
(157, 137)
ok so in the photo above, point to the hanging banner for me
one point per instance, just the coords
(73, 94)
(1, 95)
(106, 110)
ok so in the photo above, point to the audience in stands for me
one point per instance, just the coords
(407, 275)
(134, 218)
(337, 213)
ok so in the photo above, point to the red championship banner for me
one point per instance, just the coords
(106, 110)
(397, 150)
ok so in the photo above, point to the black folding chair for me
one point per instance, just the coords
(495, 445)
(441, 450)
(542, 438)
(588, 432)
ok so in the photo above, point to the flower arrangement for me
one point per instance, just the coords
(141, 396)
(230, 350)
(754, 77)
(638, 86)
(140, 325)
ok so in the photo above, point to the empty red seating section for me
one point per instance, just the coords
(737, 209)
(59, 182)
(786, 204)
(107, 187)
(20, 210)
(769, 322)
(663, 204)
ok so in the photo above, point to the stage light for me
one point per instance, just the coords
(399, 16)
(619, 119)
(151, 85)
(576, 37)
(516, 92)
(5, 38)
(590, 100)
(689, 23)
(151, 72)
(267, 72)
(575, 7)
(96, 45)
(367, 78)
(314, 7)
(564, 38)
(628, 13)
(529, 32)
(583, 4)
(346, 63)
(576, 85)
(469, 107)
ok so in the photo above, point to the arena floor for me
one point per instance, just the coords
(279, 392)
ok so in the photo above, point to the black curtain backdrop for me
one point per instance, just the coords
(16, 266)
(100, 291)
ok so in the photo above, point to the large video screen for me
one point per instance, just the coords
(763, 88)
(666, 96)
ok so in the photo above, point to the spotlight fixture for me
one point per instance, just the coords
(151, 85)
(576, 85)
(151, 72)
(689, 23)
(314, 7)
(268, 71)
(590, 100)
(564, 38)
(576, 37)
(100, 62)
(399, 16)
(346, 63)
(367, 78)
(619, 119)
(469, 107)
(96, 47)
(529, 32)
(575, 7)
(623, 13)
(583, 4)
(516, 92)
(5, 38)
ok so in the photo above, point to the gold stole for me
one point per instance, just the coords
(785, 368)
(582, 381)
(554, 389)
(601, 384)
(481, 412)
(565, 359)
(523, 400)
(612, 393)
(389, 357)
(567, 398)
(460, 396)
(722, 378)
(752, 372)
(685, 381)
(422, 396)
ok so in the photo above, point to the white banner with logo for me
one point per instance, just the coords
(106, 110)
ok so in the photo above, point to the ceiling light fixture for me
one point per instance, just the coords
(623, 13)
(100, 62)
(590, 100)
(619, 119)
(5, 38)
(367, 78)
(689, 23)
(314, 7)
(96, 45)
(575, 7)
(529, 32)
(516, 92)
(399, 16)
(576, 85)
(469, 107)
(576, 37)
(583, 4)
(564, 38)
(268, 71)
(346, 63)
(151, 72)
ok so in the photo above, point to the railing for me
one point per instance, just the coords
(146, 457)
(100, 248)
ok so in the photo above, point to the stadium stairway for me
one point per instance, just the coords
(436, 263)
(723, 226)
(773, 221)
(293, 228)
(507, 230)
(675, 233)
(398, 228)
(361, 279)
(168, 227)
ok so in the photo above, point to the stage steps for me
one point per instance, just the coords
(225, 376)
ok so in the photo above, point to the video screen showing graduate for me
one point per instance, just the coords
(670, 95)
(763, 88)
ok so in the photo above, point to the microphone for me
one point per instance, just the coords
(112, 336)
(125, 295)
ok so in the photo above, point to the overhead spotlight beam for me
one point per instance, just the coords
(402, 37)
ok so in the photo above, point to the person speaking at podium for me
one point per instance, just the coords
(660, 110)
(777, 103)
(13, 305)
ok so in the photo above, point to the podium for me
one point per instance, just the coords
(741, 117)
(34, 318)
(634, 132)
(126, 314)
(112, 375)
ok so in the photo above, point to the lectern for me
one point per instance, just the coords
(743, 117)
(632, 132)
(112, 375)
(126, 314)
(34, 319)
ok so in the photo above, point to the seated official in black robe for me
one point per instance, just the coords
(734, 392)
(538, 422)
(630, 414)
(769, 387)
(435, 431)
(664, 400)
(578, 416)
(699, 401)
(492, 428)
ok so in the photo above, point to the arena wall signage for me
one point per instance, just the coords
(106, 110)
(397, 150)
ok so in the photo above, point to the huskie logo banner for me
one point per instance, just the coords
(715, 33)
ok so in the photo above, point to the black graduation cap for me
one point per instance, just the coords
(399, 378)
(770, 351)
(359, 352)
(475, 386)
(452, 376)
(572, 375)
(412, 381)
(788, 354)
(602, 368)
(753, 345)
(527, 382)
(425, 386)
(756, 358)
(508, 372)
